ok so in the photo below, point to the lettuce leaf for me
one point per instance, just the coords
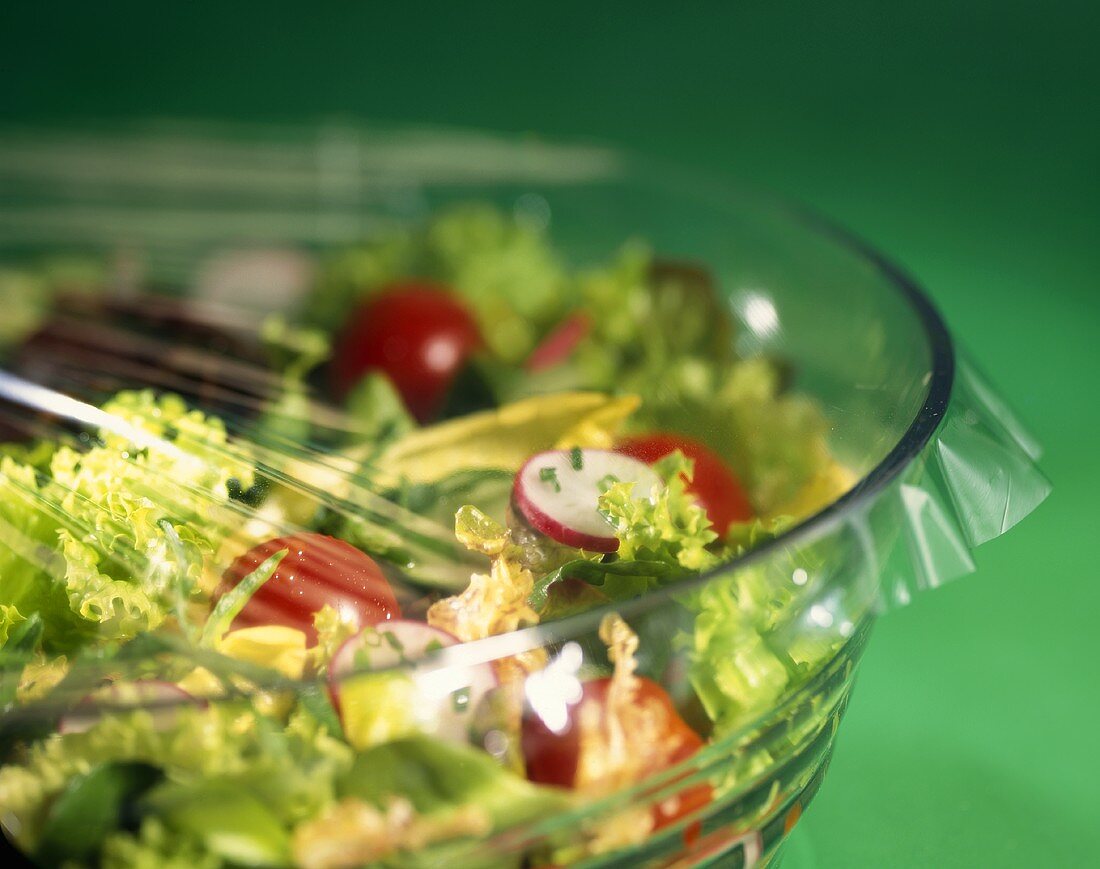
(419, 802)
(775, 441)
(9, 618)
(377, 411)
(154, 846)
(749, 643)
(294, 351)
(108, 541)
(660, 330)
(29, 557)
(119, 608)
(292, 769)
(732, 669)
(615, 580)
(227, 818)
(438, 777)
(669, 526)
(89, 808)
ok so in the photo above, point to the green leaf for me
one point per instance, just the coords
(378, 414)
(671, 528)
(316, 701)
(616, 580)
(91, 807)
(228, 819)
(440, 500)
(438, 777)
(30, 563)
(17, 650)
(232, 602)
(24, 635)
(9, 618)
(104, 542)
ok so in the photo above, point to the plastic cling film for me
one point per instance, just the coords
(177, 468)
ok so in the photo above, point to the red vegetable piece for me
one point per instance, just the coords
(557, 347)
(552, 758)
(415, 332)
(317, 570)
(714, 485)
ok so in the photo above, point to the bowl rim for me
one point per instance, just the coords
(625, 165)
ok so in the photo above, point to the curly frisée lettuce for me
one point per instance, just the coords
(493, 603)
(290, 769)
(669, 527)
(110, 540)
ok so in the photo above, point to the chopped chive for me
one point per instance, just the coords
(230, 604)
(606, 482)
(550, 475)
(576, 459)
(433, 646)
(460, 700)
(395, 643)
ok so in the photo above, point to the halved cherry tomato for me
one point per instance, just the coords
(552, 758)
(417, 333)
(715, 486)
(317, 570)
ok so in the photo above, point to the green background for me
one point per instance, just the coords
(962, 138)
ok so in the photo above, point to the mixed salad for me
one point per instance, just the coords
(231, 570)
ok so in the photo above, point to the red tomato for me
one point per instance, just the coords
(551, 758)
(718, 491)
(415, 332)
(316, 570)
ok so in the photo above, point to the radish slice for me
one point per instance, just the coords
(440, 702)
(559, 345)
(558, 493)
(160, 699)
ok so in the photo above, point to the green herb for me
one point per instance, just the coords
(576, 458)
(231, 604)
(550, 475)
(318, 703)
(461, 699)
(606, 482)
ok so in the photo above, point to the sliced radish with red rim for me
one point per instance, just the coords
(446, 699)
(558, 493)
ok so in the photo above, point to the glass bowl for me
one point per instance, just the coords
(938, 464)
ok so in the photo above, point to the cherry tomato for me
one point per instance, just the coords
(316, 570)
(551, 758)
(415, 332)
(718, 491)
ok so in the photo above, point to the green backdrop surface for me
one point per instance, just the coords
(961, 138)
